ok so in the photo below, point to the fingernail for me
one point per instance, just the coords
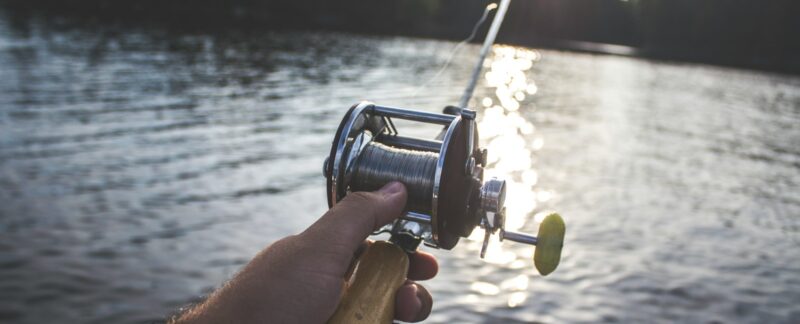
(417, 311)
(420, 314)
(425, 302)
(411, 306)
(391, 188)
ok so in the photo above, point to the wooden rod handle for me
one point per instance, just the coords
(369, 297)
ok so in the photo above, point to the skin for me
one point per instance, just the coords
(300, 278)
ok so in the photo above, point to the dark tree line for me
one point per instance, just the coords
(747, 33)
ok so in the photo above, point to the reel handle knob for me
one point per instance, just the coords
(548, 241)
(551, 240)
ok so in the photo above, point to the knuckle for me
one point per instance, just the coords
(361, 197)
(365, 202)
(362, 205)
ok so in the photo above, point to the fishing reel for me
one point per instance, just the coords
(444, 177)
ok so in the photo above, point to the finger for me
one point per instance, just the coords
(347, 224)
(422, 266)
(412, 302)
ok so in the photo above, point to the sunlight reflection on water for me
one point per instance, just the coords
(504, 131)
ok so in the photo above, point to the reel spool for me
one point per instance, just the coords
(447, 195)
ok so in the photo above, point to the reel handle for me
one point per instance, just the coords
(548, 243)
(369, 294)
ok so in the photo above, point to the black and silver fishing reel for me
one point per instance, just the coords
(447, 195)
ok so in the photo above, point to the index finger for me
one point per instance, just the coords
(422, 266)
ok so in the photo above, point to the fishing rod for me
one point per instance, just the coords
(447, 194)
(487, 44)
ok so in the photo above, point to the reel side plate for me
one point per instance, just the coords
(454, 217)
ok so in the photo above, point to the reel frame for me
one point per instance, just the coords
(365, 122)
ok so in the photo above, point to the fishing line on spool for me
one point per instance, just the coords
(379, 164)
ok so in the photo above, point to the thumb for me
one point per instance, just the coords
(347, 225)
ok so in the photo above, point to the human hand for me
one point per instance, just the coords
(300, 279)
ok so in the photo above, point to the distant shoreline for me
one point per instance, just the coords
(630, 51)
(209, 16)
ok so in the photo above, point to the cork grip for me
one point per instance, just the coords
(369, 295)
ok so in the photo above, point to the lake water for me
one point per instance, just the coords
(140, 168)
